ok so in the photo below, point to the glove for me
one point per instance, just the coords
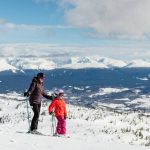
(50, 113)
(26, 94)
(53, 96)
(65, 117)
(47, 96)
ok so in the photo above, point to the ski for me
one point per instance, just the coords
(62, 136)
(42, 134)
(37, 133)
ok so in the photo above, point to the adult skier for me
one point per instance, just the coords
(35, 94)
(59, 106)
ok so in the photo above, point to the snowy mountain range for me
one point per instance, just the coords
(48, 63)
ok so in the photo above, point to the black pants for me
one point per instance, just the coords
(36, 110)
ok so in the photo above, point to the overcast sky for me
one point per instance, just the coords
(112, 28)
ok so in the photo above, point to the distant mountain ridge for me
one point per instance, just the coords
(48, 63)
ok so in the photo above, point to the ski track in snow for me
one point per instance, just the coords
(84, 127)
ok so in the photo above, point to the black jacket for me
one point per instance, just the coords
(36, 92)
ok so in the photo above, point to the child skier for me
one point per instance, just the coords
(59, 106)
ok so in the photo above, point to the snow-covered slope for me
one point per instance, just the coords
(112, 62)
(139, 63)
(4, 65)
(84, 62)
(103, 91)
(89, 128)
(48, 63)
(31, 63)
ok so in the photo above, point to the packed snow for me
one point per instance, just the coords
(88, 128)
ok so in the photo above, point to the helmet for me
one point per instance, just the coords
(55, 93)
(58, 92)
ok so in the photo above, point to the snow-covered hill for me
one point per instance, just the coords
(139, 63)
(48, 63)
(89, 128)
(31, 63)
(5, 65)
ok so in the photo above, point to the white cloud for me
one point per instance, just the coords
(34, 50)
(110, 18)
(56, 50)
(6, 27)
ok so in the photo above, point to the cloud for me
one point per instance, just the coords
(41, 27)
(110, 18)
(35, 50)
(6, 27)
(56, 50)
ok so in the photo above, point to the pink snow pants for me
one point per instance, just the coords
(61, 125)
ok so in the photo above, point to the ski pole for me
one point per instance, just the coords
(52, 126)
(28, 113)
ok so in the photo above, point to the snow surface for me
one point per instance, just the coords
(143, 102)
(104, 91)
(139, 63)
(4, 65)
(31, 63)
(89, 128)
(143, 79)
